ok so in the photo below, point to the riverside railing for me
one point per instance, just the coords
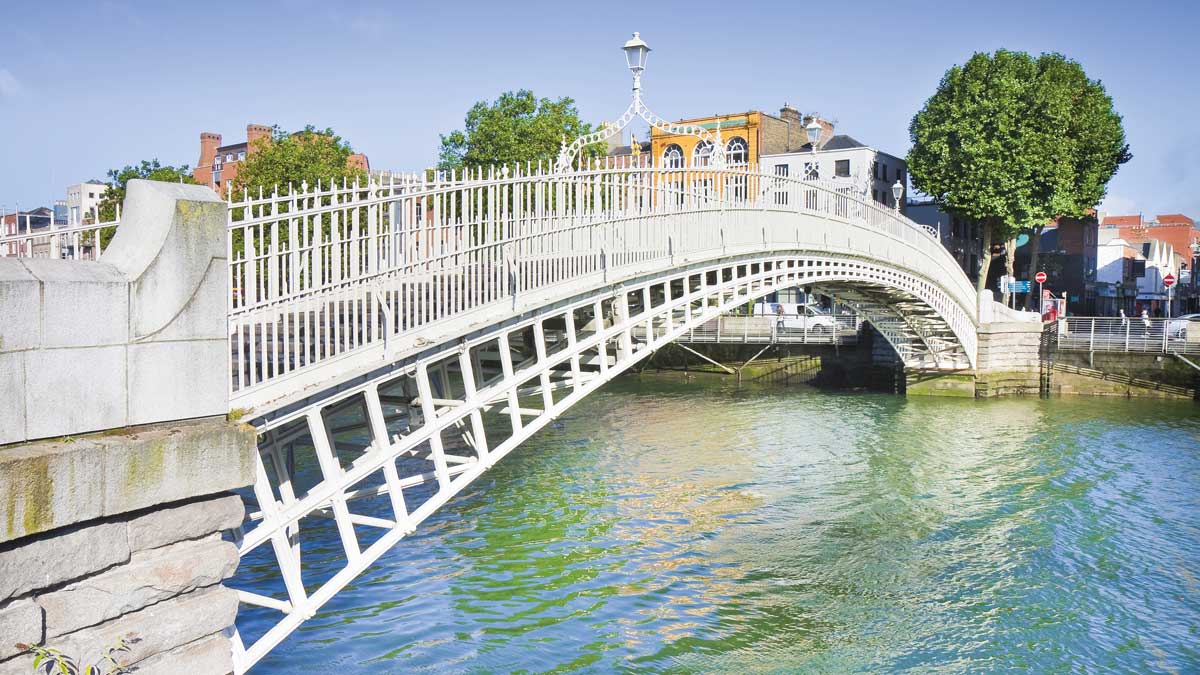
(318, 272)
(72, 242)
(839, 329)
(1131, 334)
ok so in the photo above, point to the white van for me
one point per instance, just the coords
(796, 317)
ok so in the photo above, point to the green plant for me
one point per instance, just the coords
(48, 660)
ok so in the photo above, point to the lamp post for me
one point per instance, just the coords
(636, 52)
(897, 193)
(813, 129)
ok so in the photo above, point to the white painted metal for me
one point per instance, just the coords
(740, 329)
(1130, 334)
(522, 370)
(72, 241)
(336, 280)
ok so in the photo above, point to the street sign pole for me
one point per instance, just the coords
(1169, 282)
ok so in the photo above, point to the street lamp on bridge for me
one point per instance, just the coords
(636, 51)
(897, 193)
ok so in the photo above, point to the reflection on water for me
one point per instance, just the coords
(697, 528)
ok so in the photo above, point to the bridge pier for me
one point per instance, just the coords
(1008, 363)
(117, 460)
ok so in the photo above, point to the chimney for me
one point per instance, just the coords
(255, 132)
(791, 115)
(209, 142)
(826, 129)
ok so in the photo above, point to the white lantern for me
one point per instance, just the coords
(635, 54)
(897, 192)
(814, 133)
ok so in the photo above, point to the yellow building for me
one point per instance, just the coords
(747, 136)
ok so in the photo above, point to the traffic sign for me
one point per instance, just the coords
(1018, 287)
(1040, 277)
(1169, 280)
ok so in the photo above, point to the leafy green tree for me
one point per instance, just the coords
(1014, 142)
(1081, 144)
(515, 128)
(284, 158)
(118, 180)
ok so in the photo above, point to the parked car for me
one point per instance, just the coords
(797, 317)
(1178, 326)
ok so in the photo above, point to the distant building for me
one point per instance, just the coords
(218, 164)
(35, 221)
(843, 160)
(747, 137)
(83, 200)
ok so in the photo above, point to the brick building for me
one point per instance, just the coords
(218, 164)
(747, 136)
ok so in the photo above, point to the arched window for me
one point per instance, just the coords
(702, 155)
(736, 152)
(673, 157)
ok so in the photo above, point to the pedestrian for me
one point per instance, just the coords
(1124, 319)
(1146, 319)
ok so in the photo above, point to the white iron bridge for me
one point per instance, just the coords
(393, 340)
(453, 316)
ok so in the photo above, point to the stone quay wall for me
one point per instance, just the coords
(108, 535)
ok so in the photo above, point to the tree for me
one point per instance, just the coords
(1015, 142)
(1081, 143)
(118, 180)
(284, 158)
(515, 128)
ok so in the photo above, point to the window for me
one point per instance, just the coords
(229, 157)
(883, 172)
(673, 157)
(242, 155)
(875, 170)
(702, 154)
(875, 195)
(781, 195)
(736, 152)
(900, 175)
(841, 168)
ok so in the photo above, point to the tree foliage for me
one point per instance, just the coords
(515, 128)
(118, 180)
(284, 158)
(1015, 142)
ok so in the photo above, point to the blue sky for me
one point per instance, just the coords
(89, 86)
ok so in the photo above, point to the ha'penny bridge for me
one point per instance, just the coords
(390, 340)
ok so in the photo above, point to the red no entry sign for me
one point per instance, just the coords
(1169, 280)
(1040, 277)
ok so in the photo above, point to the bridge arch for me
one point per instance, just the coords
(461, 315)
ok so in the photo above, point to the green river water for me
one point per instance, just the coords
(697, 527)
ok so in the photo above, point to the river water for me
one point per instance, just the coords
(663, 526)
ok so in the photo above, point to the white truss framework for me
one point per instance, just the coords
(461, 406)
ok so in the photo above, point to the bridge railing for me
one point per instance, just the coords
(72, 242)
(839, 329)
(1130, 334)
(319, 271)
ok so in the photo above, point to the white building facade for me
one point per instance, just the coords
(842, 160)
(83, 200)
